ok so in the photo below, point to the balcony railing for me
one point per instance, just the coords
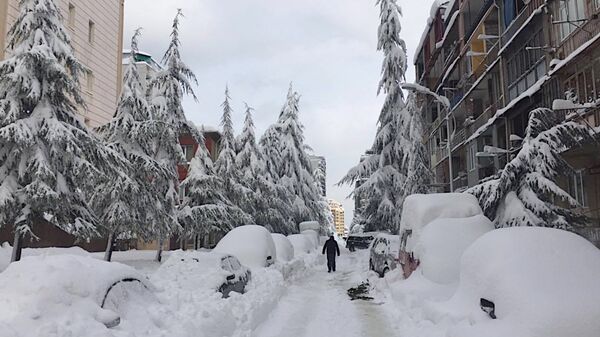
(459, 138)
(518, 22)
(481, 120)
(478, 18)
(579, 37)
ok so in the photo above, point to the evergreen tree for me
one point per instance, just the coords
(267, 206)
(124, 201)
(289, 164)
(207, 208)
(386, 170)
(225, 166)
(525, 192)
(48, 158)
(166, 91)
(418, 178)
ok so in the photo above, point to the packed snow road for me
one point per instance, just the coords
(318, 305)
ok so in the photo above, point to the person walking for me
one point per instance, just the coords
(332, 248)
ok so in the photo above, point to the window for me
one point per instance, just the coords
(576, 187)
(526, 67)
(91, 31)
(188, 152)
(569, 12)
(71, 15)
(90, 81)
(472, 157)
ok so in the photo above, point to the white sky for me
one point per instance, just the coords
(257, 47)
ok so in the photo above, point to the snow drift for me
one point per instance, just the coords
(283, 247)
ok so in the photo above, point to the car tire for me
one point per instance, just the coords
(385, 270)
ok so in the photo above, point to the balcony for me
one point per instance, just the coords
(459, 138)
(481, 120)
(579, 37)
(520, 20)
(478, 18)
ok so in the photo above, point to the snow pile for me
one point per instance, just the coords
(6, 252)
(443, 243)
(544, 283)
(313, 238)
(251, 244)
(421, 209)
(58, 296)
(283, 247)
(309, 225)
(301, 243)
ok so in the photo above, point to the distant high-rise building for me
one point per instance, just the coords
(320, 172)
(96, 31)
(337, 210)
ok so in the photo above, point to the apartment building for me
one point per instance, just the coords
(337, 210)
(96, 31)
(496, 61)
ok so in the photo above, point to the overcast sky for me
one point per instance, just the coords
(327, 48)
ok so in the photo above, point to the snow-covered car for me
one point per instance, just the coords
(76, 295)
(384, 253)
(527, 281)
(252, 245)
(283, 247)
(301, 243)
(212, 270)
(419, 210)
(360, 241)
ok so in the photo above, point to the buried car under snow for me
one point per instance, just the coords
(204, 270)
(253, 245)
(76, 295)
(384, 253)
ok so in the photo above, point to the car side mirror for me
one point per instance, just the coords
(230, 277)
(488, 307)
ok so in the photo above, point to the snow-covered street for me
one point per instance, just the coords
(318, 305)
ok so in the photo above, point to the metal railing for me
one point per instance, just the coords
(579, 37)
(486, 6)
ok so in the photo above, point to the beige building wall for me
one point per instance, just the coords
(337, 210)
(96, 30)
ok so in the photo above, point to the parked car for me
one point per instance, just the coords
(360, 241)
(252, 245)
(193, 270)
(384, 253)
(48, 290)
(419, 210)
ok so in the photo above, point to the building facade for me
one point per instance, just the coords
(337, 210)
(496, 61)
(96, 31)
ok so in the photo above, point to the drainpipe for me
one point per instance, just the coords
(449, 145)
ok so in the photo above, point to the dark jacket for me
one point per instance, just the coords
(331, 247)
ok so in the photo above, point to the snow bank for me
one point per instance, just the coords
(544, 283)
(420, 209)
(313, 238)
(251, 244)
(58, 296)
(283, 246)
(301, 243)
(442, 244)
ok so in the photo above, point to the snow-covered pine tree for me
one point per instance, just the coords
(207, 208)
(48, 158)
(288, 163)
(385, 170)
(225, 166)
(525, 192)
(418, 179)
(267, 206)
(166, 91)
(125, 202)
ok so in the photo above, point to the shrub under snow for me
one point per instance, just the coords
(251, 244)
